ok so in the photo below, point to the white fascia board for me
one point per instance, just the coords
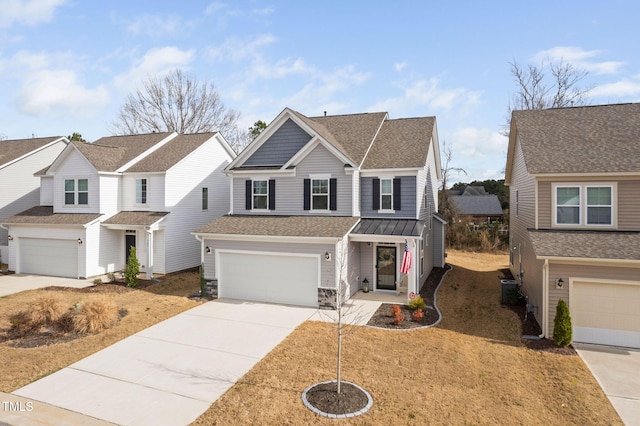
(28, 154)
(62, 157)
(268, 238)
(373, 238)
(223, 142)
(586, 176)
(147, 152)
(435, 144)
(628, 263)
(407, 171)
(364, 157)
(253, 172)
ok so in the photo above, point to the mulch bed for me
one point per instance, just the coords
(383, 317)
(325, 397)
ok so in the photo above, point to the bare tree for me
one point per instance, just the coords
(177, 102)
(534, 90)
(447, 209)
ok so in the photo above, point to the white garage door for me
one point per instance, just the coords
(58, 258)
(606, 313)
(288, 279)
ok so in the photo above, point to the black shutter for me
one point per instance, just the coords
(396, 193)
(333, 194)
(307, 194)
(272, 194)
(376, 194)
(248, 194)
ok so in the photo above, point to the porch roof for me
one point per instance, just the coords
(389, 227)
(44, 215)
(586, 244)
(135, 218)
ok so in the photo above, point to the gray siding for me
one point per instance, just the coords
(407, 200)
(580, 271)
(280, 147)
(366, 264)
(289, 189)
(327, 269)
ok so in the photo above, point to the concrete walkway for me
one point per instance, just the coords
(172, 372)
(617, 370)
(15, 283)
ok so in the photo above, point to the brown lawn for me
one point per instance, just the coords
(145, 307)
(471, 369)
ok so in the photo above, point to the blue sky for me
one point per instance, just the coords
(67, 65)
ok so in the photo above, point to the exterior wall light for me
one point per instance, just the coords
(327, 256)
(80, 241)
(559, 283)
(207, 250)
(9, 237)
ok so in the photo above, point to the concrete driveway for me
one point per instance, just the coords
(16, 283)
(617, 370)
(172, 372)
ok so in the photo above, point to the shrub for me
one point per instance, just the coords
(418, 314)
(417, 303)
(46, 310)
(95, 315)
(562, 332)
(97, 281)
(111, 277)
(22, 324)
(398, 316)
(132, 269)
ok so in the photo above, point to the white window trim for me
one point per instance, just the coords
(390, 210)
(326, 177)
(583, 205)
(76, 191)
(253, 194)
(146, 191)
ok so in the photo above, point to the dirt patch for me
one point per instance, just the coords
(325, 397)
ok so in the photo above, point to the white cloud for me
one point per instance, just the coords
(46, 91)
(624, 88)
(157, 25)
(155, 61)
(400, 66)
(27, 12)
(585, 59)
(235, 49)
(426, 94)
(481, 152)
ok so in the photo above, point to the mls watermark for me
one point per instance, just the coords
(16, 406)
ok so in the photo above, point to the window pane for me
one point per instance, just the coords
(141, 191)
(599, 196)
(205, 198)
(320, 202)
(320, 186)
(385, 186)
(260, 187)
(569, 215)
(259, 202)
(69, 198)
(599, 215)
(69, 185)
(83, 198)
(386, 202)
(568, 196)
(83, 184)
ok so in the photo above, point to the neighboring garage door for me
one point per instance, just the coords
(606, 313)
(58, 258)
(287, 279)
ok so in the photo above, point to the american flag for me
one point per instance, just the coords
(406, 259)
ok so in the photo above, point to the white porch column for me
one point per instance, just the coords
(149, 253)
(412, 286)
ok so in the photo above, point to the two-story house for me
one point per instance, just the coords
(574, 175)
(318, 201)
(20, 159)
(99, 199)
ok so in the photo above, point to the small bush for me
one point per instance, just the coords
(132, 269)
(417, 303)
(417, 315)
(64, 324)
(95, 316)
(562, 332)
(22, 324)
(97, 281)
(398, 316)
(46, 310)
(111, 277)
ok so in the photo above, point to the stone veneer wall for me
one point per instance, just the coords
(327, 298)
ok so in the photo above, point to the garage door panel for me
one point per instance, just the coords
(606, 313)
(287, 279)
(49, 257)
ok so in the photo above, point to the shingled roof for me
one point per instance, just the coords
(44, 215)
(590, 139)
(12, 149)
(171, 153)
(586, 244)
(287, 226)
(477, 205)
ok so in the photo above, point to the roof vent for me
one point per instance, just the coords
(325, 113)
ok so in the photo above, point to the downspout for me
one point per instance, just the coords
(149, 233)
(545, 297)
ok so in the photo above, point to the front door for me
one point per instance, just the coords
(129, 241)
(386, 267)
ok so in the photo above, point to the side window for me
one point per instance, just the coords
(69, 191)
(386, 194)
(205, 198)
(141, 191)
(260, 194)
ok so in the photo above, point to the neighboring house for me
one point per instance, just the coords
(19, 188)
(574, 175)
(475, 203)
(321, 200)
(99, 199)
